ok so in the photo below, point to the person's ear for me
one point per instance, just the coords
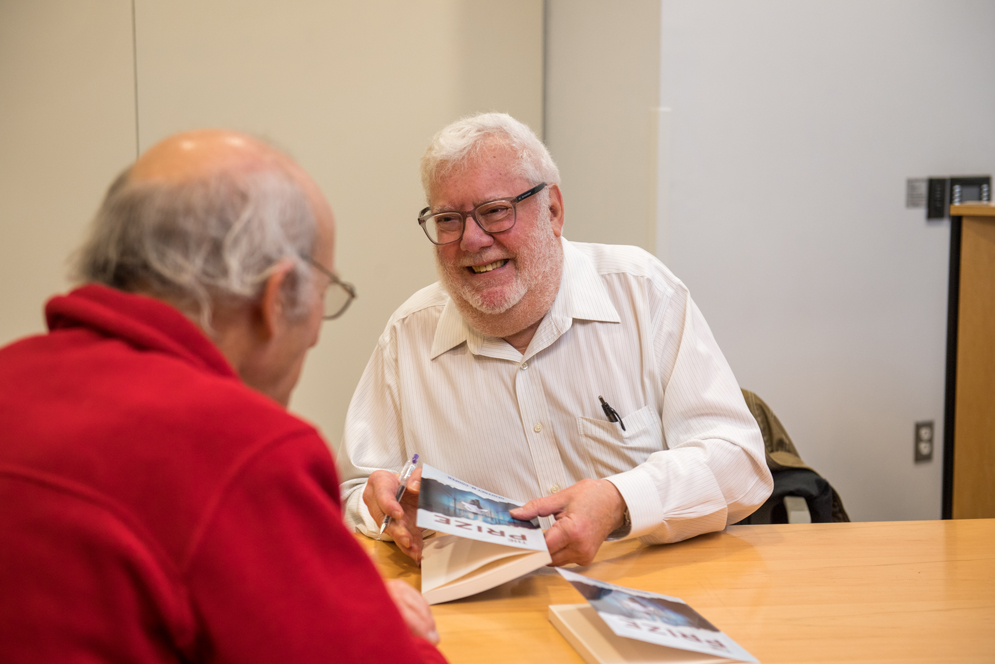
(273, 304)
(556, 209)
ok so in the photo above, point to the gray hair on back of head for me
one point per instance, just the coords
(458, 145)
(202, 243)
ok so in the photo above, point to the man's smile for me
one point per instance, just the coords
(479, 269)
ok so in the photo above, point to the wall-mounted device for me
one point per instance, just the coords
(941, 193)
(966, 190)
(936, 198)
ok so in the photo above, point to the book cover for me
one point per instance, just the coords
(624, 625)
(480, 545)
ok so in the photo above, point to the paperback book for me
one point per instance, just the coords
(479, 545)
(624, 625)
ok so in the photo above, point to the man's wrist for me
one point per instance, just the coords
(622, 531)
(624, 525)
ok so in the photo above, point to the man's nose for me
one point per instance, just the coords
(474, 238)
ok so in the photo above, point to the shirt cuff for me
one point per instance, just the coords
(642, 500)
(361, 519)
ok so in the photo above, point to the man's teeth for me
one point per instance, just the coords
(490, 266)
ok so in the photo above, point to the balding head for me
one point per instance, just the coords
(196, 155)
(202, 218)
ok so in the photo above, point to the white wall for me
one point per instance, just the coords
(354, 91)
(791, 130)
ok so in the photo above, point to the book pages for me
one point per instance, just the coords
(482, 545)
(454, 567)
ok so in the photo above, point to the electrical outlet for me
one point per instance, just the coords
(924, 441)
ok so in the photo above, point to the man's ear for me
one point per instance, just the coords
(556, 209)
(273, 304)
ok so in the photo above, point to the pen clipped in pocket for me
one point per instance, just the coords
(612, 450)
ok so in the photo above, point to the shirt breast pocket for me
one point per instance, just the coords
(611, 450)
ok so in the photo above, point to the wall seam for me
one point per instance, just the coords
(545, 65)
(134, 66)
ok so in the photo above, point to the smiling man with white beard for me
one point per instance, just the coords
(578, 377)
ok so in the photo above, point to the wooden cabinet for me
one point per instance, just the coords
(969, 435)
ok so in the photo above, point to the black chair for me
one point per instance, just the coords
(796, 486)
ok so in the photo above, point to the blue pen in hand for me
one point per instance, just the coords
(409, 468)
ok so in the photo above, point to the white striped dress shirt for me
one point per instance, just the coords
(622, 326)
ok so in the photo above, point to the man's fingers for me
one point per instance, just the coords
(379, 495)
(399, 533)
(414, 482)
(590, 510)
(557, 538)
(410, 545)
(538, 507)
(407, 537)
(382, 487)
(566, 545)
(526, 512)
(388, 502)
(414, 609)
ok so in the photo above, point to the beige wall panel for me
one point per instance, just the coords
(354, 91)
(67, 126)
(602, 94)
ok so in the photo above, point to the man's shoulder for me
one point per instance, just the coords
(261, 419)
(426, 302)
(167, 400)
(160, 439)
(253, 422)
(627, 261)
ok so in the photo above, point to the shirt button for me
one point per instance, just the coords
(525, 365)
(537, 428)
(554, 488)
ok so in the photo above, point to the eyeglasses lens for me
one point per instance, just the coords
(493, 217)
(445, 227)
(337, 298)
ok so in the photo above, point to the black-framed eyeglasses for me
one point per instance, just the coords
(338, 295)
(492, 217)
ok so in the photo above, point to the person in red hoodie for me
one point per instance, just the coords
(157, 501)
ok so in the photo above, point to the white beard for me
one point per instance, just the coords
(509, 297)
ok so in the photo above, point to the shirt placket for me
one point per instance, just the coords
(538, 428)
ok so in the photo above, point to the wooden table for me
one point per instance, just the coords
(914, 591)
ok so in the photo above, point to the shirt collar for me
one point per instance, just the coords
(582, 292)
(141, 321)
(582, 296)
(452, 330)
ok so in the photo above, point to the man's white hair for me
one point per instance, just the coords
(460, 144)
(202, 243)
